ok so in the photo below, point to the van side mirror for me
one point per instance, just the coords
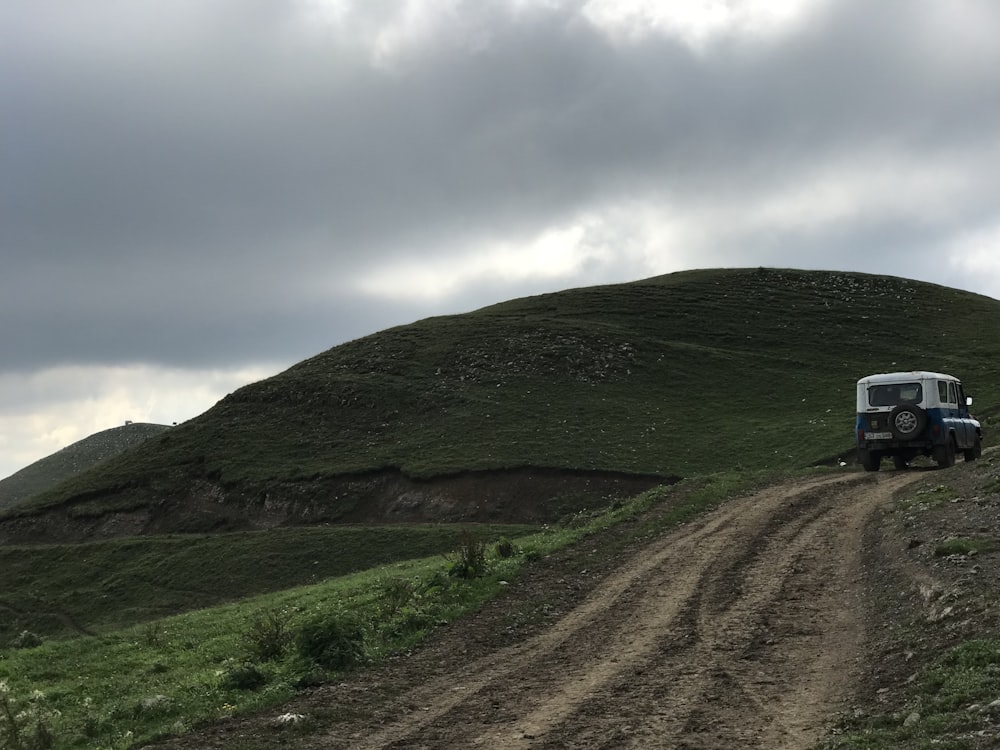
(968, 400)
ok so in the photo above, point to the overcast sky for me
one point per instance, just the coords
(195, 194)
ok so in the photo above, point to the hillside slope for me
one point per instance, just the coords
(671, 376)
(74, 459)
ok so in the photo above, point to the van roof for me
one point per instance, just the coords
(896, 377)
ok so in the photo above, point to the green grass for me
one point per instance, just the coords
(173, 674)
(679, 375)
(927, 495)
(102, 686)
(62, 590)
(967, 546)
(949, 697)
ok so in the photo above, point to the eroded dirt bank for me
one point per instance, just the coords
(742, 629)
(523, 495)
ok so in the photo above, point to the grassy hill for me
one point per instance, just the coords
(72, 460)
(728, 377)
(672, 376)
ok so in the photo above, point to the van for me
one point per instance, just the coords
(902, 415)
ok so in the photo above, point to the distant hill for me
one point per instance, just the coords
(72, 460)
(541, 402)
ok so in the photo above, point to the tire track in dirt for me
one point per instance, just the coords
(479, 674)
(739, 629)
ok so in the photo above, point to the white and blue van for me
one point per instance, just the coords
(903, 415)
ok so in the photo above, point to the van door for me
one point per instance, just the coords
(954, 419)
(965, 418)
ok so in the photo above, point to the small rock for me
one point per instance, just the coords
(912, 719)
(154, 702)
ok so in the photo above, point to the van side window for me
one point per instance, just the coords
(952, 394)
(943, 391)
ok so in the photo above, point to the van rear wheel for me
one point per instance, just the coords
(870, 461)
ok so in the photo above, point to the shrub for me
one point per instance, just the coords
(152, 634)
(397, 593)
(505, 548)
(25, 724)
(332, 640)
(533, 555)
(435, 584)
(267, 636)
(469, 560)
(243, 677)
(26, 639)
(408, 621)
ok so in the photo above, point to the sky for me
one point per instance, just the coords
(196, 194)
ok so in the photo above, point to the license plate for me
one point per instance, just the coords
(879, 436)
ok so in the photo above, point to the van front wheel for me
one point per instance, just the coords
(971, 454)
(944, 455)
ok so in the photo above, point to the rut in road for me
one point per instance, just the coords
(739, 630)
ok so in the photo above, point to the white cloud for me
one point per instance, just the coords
(47, 410)
(419, 25)
(556, 253)
(975, 258)
(614, 242)
(869, 184)
(697, 23)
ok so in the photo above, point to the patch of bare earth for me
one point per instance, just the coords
(745, 628)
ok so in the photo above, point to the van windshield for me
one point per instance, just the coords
(891, 394)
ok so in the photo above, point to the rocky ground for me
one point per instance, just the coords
(932, 573)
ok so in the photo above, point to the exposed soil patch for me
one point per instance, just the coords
(746, 628)
(526, 495)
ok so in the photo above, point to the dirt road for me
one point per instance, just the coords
(740, 630)
(743, 629)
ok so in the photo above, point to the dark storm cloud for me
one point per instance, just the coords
(204, 182)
